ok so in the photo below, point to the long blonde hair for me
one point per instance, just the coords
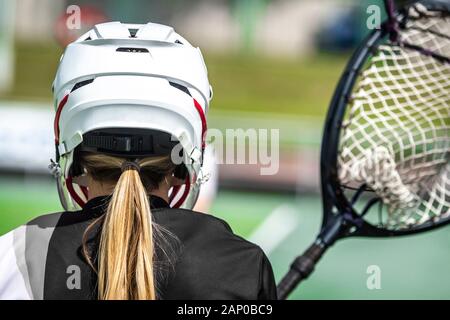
(125, 260)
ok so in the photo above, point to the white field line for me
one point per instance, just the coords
(280, 223)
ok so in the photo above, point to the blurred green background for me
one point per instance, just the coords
(273, 64)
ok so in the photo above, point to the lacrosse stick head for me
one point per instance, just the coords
(388, 129)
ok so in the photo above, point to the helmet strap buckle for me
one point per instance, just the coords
(203, 176)
(54, 169)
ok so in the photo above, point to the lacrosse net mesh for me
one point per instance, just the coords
(396, 134)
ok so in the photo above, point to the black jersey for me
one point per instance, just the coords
(198, 257)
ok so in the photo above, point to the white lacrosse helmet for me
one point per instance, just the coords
(130, 90)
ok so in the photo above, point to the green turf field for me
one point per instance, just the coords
(411, 267)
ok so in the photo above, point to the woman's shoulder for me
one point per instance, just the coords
(214, 262)
(23, 252)
(198, 226)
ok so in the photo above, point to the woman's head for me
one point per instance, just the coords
(125, 265)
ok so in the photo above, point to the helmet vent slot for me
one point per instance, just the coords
(132, 32)
(132, 50)
(80, 84)
(180, 87)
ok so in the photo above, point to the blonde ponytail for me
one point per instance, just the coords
(126, 250)
(126, 245)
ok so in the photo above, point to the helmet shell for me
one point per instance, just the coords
(130, 76)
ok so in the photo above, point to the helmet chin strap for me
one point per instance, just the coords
(187, 187)
(75, 196)
(193, 163)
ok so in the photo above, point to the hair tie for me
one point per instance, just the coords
(130, 165)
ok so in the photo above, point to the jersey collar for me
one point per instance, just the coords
(98, 205)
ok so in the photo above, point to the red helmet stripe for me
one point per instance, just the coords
(57, 116)
(203, 118)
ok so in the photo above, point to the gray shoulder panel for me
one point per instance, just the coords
(31, 243)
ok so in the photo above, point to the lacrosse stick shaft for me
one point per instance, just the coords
(304, 264)
(300, 269)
